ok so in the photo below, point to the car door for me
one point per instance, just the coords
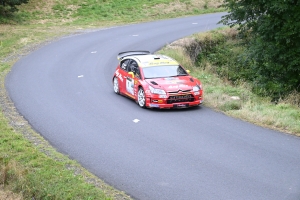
(131, 78)
(122, 73)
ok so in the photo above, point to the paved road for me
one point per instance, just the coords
(65, 91)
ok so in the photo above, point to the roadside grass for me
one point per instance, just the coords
(29, 166)
(236, 100)
(36, 175)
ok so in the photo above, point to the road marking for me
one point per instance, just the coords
(194, 23)
(81, 76)
(135, 35)
(164, 184)
(94, 52)
(136, 120)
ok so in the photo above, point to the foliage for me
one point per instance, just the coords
(9, 6)
(222, 49)
(273, 30)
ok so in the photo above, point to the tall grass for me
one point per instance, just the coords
(115, 11)
(33, 174)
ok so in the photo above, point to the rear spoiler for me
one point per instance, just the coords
(121, 55)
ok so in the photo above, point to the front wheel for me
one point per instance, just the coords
(141, 98)
(116, 85)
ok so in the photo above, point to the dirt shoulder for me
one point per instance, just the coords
(8, 195)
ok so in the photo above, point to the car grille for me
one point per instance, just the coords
(180, 98)
(176, 92)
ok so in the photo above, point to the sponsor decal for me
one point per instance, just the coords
(119, 75)
(171, 78)
(160, 62)
(174, 81)
(154, 105)
(180, 105)
(176, 86)
(173, 86)
(130, 86)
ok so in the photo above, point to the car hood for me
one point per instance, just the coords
(183, 83)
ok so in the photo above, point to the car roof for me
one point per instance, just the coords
(153, 60)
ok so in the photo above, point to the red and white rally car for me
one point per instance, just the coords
(156, 81)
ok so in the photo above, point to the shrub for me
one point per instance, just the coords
(9, 6)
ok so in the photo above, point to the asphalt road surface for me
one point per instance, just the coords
(65, 91)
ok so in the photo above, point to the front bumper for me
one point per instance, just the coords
(166, 103)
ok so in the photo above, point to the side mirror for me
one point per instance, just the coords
(131, 74)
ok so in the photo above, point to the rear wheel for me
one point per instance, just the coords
(116, 85)
(141, 98)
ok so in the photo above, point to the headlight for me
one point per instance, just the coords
(156, 91)
(196, 88)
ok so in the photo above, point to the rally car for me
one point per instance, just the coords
(155, 81)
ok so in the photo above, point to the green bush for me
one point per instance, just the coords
(224, 52)
(228, 55)
(273, 32)
(7, 7)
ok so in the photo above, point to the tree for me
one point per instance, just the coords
(9, 6)
(274, 47)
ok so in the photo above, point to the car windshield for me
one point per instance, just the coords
(164, 71)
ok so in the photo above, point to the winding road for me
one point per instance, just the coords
(64, 90)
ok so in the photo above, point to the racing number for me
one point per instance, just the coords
(130, 67)
(130, 85)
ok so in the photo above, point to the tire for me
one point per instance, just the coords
(141, 98)
(116, 85)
